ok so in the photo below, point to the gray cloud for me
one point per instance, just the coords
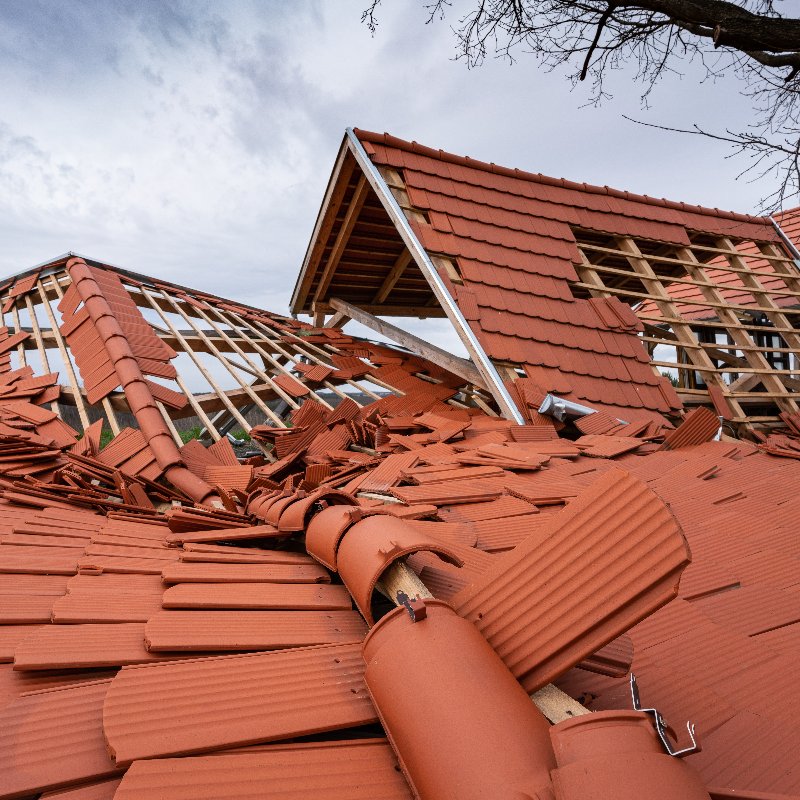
(193, 140)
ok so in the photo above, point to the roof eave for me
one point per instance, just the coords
(297, 304)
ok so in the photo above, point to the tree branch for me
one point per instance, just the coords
(600, 25)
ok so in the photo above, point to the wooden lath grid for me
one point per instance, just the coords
(252, 349)
(725, 310)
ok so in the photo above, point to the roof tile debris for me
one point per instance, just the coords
(572, 552)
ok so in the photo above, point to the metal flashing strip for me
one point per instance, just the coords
(790, 246)
(423, 261)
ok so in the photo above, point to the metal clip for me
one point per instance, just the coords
(661, 725)
(416, 608)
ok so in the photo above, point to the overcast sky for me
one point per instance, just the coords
(193, 141)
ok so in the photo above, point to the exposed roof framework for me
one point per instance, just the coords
(205, 357)
(719, 312)
(521, 259)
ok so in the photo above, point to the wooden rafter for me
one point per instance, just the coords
(458, 366)
(621, 268)
(350, 217)
(390, 281)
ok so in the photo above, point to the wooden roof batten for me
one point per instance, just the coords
(482, 371)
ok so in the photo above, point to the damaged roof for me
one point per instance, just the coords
(593, 293)
(395, 588)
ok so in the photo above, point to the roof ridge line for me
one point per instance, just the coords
(538, 177)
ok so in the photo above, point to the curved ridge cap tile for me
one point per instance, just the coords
(371, 546)
(326, 529)
(389, 140)
(273, 513)
(502, 748)
(142, 405)
(618, 754)
(294, 517)
(258, 499)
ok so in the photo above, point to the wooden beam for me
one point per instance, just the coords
(395, 273)
(37, 335)
(18, 329)
(199, 364)
(349, 221)
(458, 366)
(331, 204)
(730, 321)
(80, 403)
(665, 302)
(338, 320)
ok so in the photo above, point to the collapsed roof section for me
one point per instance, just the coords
(578, 288)
(153, 355)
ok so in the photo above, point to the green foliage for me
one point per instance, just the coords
(191, 433)
(105, 437)
(240, 433)
(671, 378)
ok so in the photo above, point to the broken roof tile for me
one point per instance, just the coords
(356, 770)
(152, 712)
(506, 601)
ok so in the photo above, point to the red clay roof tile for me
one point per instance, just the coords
(256, 596)
(210, 631)
(506, 602)
(153, 712)
(244, 573)
(53, 738)
(349, 770)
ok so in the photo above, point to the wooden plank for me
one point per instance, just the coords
(622, 292)
(264, 334)
(741, 337)
(338, 320)
(349, 221)
(17, 328)
(254, 369)
(664, 301)
(423, 312)
(394, 275)
(176, 437)
(668, 280)
(37, 336)
(80, 402)
(199, 364)
(228, 318)
(458, 366)
(775, 314)
(671, 260)
(696, 323)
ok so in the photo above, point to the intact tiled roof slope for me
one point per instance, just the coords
(511, 235)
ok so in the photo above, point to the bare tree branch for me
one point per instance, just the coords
(750, 39)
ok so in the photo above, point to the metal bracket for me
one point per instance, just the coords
(416, 607)
(661, 725)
